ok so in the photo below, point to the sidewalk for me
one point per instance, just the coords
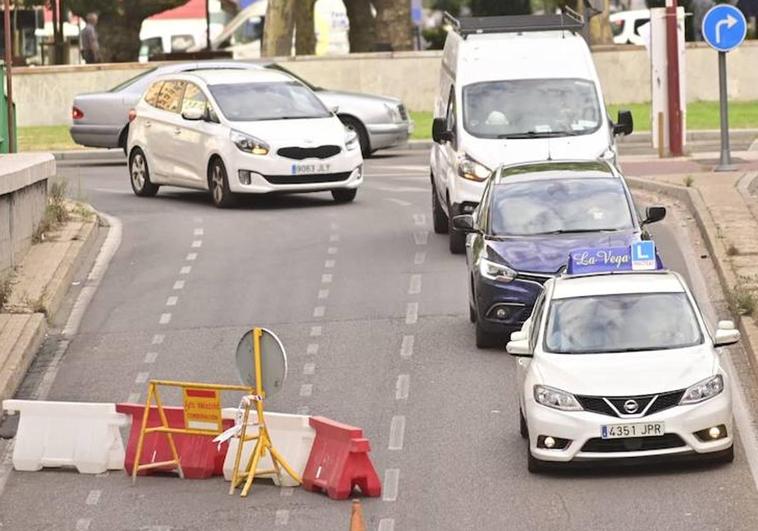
(725, 207)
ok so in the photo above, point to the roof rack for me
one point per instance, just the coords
(568, 20)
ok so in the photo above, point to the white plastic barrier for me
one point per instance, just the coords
(78, 434)
(291, 435)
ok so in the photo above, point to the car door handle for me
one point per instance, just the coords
(148, 124)
(177, 131)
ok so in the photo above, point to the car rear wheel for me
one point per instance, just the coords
(523, 430)
(219, 185)
(457, 238)
(355, 125)
(344, 195)
(139, 175)
(439, 216)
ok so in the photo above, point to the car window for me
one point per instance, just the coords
(278, 100)
(450, 116)
(151, 96)
(194, 98)
(181, 43)
(170, 96)
(639, 23)
(534, 329)
(131, 81)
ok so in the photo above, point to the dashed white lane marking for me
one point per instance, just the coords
(334, 238)
(309, 369)
(158, 339)
(397, 432)
(179, 284)
(185, 270)
(334, 226)
(411, 313)
(306, 390)
(197, 243)
(398, 201)
(150, 357)
(315, 331)
(402, 386)
(329, 264)
(406, 349)
(171, 301)
(332, 250)
(421, 237)
(326, 278)
(82, 524)
(141, 377)
(286, 492)
(419, 258)
(386, 524)
(312, 349)
(323, 294)
(319, 311)
(191, 257)
(197, 219)
(414, 287)
(199, 231)
(303, 410)
(391, 480)
(93, 497)
(133, 398)
(165, 318)
(282, 517)
(419, 219)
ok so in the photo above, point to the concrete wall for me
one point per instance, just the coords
(44, 94)
(23, 198)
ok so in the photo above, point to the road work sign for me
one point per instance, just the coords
(202, 409)
(724, 27)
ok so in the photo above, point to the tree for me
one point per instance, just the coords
(305, 34)
(393, 24)
(278, 29)
(362, 32)
(119, 23)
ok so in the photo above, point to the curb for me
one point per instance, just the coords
(90, 154)
(694, 202)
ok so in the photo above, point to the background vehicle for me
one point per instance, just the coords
(101, 119)
(625, 26)
(513, 89)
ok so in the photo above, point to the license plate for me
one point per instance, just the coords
(622, 431)
(308, 169)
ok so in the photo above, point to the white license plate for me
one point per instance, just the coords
(642, 429)
(308, 169)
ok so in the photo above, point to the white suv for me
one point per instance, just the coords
(240, 131)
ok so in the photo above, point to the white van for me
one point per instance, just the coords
(513, 89)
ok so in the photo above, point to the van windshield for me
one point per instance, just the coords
(531, 108)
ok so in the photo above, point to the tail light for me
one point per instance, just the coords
(76, 113)
(132, 115)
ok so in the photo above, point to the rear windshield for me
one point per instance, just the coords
(132, 81)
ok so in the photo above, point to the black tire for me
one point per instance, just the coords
(439, 216)
(534, 465)
(122, 138)
(139, 175)
(523, 430)
(457, 239)
(356, 125)
(218, 185)
(727, 456)
(344, 195)
(485, 339)
(471, 314)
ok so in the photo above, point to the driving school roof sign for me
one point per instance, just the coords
(640, 256)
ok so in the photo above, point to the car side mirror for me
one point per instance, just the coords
(625, 124)
(726, 334)
(464, 223)
(519, 348)
(653, 214)
(518, 335)
(440, 132)
(193, 114)
(335, 109)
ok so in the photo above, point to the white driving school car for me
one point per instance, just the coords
(240, 131)
(616, 364)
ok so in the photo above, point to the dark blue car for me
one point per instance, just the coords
(530, 217)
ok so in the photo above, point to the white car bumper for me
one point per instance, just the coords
(583, 429)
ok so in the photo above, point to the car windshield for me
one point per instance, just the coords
(531, 108)
(281, 100)
(559, 206)
(131, 81)
(621, 323)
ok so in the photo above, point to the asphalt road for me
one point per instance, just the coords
(373, 312)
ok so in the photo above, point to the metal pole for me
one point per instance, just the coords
(725, 164)
(9, 74)
(208, 25)
(674, 100)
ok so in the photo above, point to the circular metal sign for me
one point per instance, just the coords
(273, 361)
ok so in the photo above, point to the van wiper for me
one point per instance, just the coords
(572, 231)
(541, 134)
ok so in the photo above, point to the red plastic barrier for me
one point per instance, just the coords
(339, 461)
(199, 455)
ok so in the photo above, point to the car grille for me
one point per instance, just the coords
(599, 404)
(532, 277)
(308, 179)
(301, 153)
(633, 444)
(403, 112)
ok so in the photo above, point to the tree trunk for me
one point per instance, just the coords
(600, 26)
(277, 31)
(305, 33)
(118, 37)
(393, 24)
(362, 33)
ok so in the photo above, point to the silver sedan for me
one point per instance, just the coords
(101, 119)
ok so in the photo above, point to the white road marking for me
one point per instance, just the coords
(406, 349)
(303, 410)
(397, 432)
(309, 369)
(197, 243)
(402, 386)
(398, 201)
(197, 219)
(179, 284)
(150, 357)
(165, 318)
(386, 524)
(133, 398)
(282, 517)
(411, 313)
(286, 492)
(198, 231)
(158, 339)
(334, 237)
(419, 258)
(82, 524)
(329, 264)
(421, 237)
(419, 219)
(191, 256)
(415, 285)
(391, 480)
(171, 301)
(93, 497)
(323, 294)
(334, 226)
(315, 331)
(306, 390)
(141, 377)
(332, 250)
(185, 270)
(326, 278)
(312, 349)
(319, 311)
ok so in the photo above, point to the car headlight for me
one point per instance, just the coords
(495, 271)
(703, 390)
(555, 398)
(351, 140)
(394, 113)
(470, 169)
(248, 143)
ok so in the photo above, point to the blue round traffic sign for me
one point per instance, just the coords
(724, 27)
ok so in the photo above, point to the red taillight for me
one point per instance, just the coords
(76, 113)
(132, 115)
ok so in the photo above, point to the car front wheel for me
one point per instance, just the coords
(344, 195)
(439, 216)
(457, 238)
(219, 185)
(139, 175)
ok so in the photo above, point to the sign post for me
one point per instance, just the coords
(724, 29)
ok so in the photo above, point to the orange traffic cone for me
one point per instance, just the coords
(356, 517)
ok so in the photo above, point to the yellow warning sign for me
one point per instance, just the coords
(202, 409)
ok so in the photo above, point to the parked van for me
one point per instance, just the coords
(513, 89)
